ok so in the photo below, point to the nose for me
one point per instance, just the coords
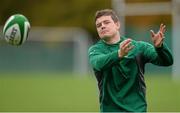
(102, 26)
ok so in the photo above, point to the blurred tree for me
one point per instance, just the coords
(135, 1)
(63, 13)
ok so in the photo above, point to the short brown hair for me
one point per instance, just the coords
(106, 12)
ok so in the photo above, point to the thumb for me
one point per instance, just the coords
(152, 33)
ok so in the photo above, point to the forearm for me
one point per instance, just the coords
(164, 56)
(104, 61)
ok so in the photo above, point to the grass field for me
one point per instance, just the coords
(49, 93)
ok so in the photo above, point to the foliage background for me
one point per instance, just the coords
(48, 92)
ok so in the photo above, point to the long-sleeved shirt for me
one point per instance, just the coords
(121, 80)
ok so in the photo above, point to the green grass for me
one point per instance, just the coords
(163, 94)
(48, 93)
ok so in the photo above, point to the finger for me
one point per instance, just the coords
(162, 28)
(126, 45)
(161, 34)
(125, 42)
(152, 33)
(130, 48)
(162, 25)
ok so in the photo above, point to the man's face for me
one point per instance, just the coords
(106, 27)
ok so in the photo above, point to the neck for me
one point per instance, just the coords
(114, 39)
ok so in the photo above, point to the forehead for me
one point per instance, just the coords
(103, 18)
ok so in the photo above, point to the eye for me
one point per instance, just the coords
(98, 25)
(106, 22)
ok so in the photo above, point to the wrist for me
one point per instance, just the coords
(159, 46)
(119, 54)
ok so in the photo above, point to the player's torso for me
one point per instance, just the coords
(121, 81)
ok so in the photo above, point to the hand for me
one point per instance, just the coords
(124, 48)
(158, 37)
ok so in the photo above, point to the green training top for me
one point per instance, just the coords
(121, 81)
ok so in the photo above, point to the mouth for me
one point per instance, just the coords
(104, 32)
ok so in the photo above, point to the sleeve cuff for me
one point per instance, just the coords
(115, 55)
(160, 48)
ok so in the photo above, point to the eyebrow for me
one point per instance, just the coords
(103, 21)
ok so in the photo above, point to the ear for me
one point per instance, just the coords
(118, 25)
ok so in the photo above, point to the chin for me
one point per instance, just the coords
(105, 37)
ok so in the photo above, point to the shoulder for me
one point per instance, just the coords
(96, 46)
(143, 46)
(142, 43)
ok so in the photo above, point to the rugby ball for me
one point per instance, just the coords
(16, 29)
